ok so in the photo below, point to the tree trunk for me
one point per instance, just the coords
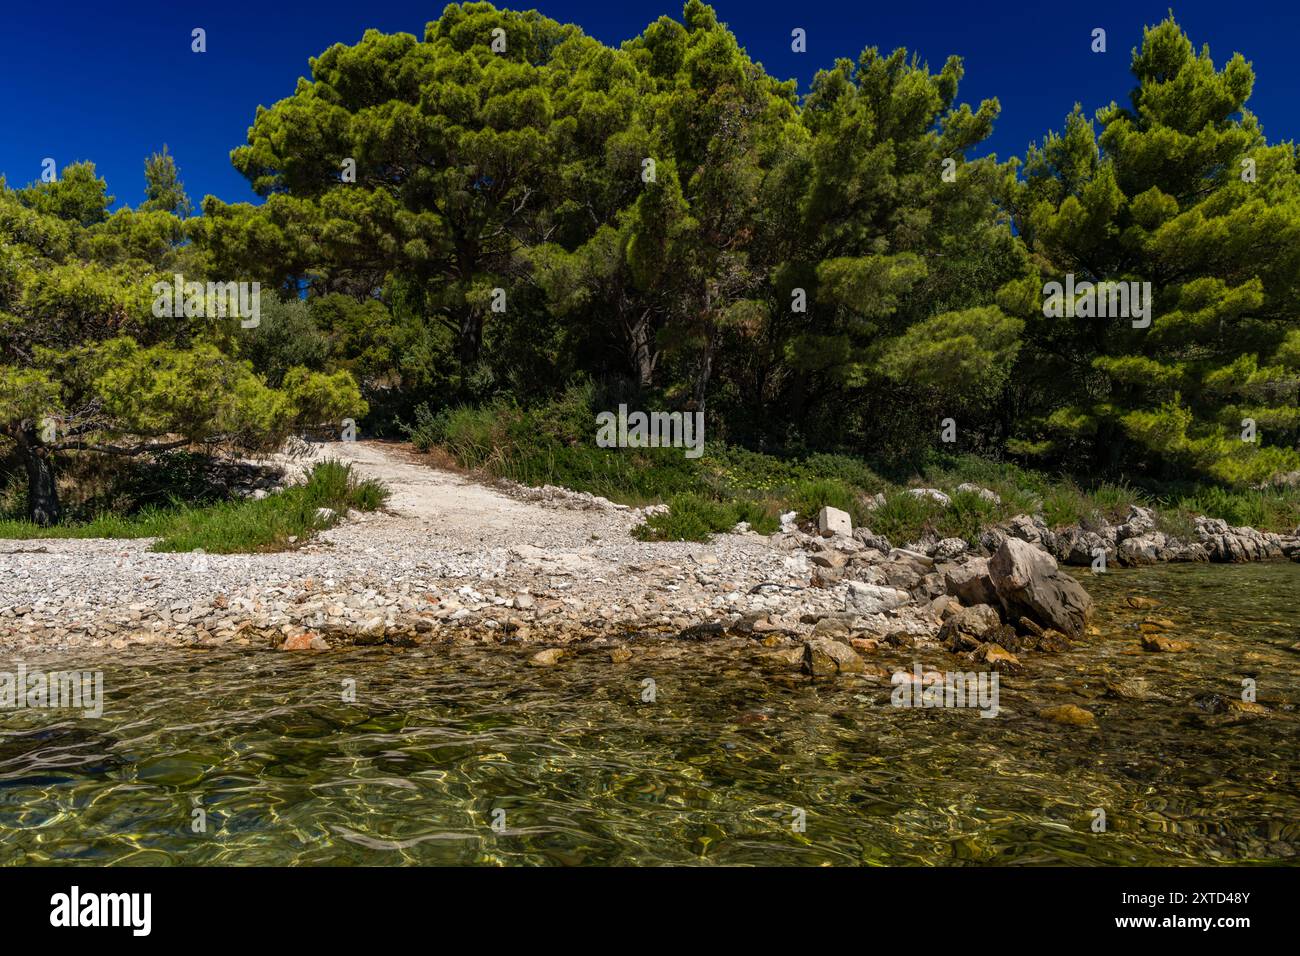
(640, 347)
(470, 343)
(42, 494)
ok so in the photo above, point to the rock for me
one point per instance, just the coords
(1079, 546)
(915, 557)
(703, 631)
(325, 515)
(877, 542)
(1142, 549)
(1158, 643)
(1029, 627)
(1133, 688)
(1157, 624)
(969, 627)
(783, 659)
(1026, 528)
(547, 658)
(1141, 603)
(944, 607)
(824, 658)
(831, 521)
(1052, 641)
(620, 655)
(1029, 583)
(873, 598)
(307, 641)
(1140, 521)
(934, 494)
(829, 559)
(1236, 545)
(1248, 707)
(990, 496)
(826, 577)
(1068, 714)
(997, 657)
(901, 574)
(788, 522)
(835, 628)
(948, 548)
(970, 582)
(1189, 552)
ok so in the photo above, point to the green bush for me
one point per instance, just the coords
(232, 527)
(694, 518)
(904, 517)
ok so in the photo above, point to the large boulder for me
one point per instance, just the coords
(970, 582)
(1029, 583)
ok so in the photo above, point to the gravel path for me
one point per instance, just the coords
(450, 553)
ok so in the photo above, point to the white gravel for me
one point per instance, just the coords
(536, 564)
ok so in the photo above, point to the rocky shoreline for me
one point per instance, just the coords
(557, 571)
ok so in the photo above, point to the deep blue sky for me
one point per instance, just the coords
(113, 81)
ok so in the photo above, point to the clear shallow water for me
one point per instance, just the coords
(710, 773)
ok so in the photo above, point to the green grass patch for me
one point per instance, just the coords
(232, 527)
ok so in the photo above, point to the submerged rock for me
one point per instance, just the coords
(1069, 715)
(305, 642)
(824, 657)
(996, 657)
(547, 658)
(1160, 644)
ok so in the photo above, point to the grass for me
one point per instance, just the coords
(232, 527)
(554, 444)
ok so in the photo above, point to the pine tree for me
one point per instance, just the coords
(1180, 190)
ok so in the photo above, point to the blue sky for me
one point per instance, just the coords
(112, 82)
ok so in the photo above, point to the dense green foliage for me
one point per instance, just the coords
(460, 226)
(1180, 189)
(547, 444)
